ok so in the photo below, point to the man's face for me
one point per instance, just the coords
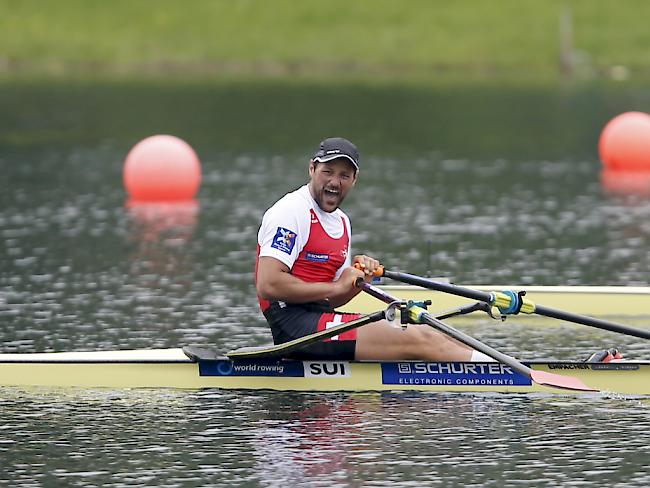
(330, 182)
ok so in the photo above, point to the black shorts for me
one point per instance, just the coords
(292, 321)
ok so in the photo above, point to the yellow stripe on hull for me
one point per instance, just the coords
(170, 369)
(596, 301)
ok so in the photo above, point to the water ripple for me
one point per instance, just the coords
(80, 271)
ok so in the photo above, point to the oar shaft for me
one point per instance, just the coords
(591, 321)
(538, 309)
(385, 297)
(460, 291)
(376, 292)
(476, 344)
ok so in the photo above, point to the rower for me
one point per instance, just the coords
(304, 272)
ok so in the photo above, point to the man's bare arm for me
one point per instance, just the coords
(275, 282)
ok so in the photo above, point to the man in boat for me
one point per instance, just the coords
(304, 272)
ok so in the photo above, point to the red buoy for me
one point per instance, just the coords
(625, 142)
(162, 168)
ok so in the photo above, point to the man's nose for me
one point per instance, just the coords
(335, 180)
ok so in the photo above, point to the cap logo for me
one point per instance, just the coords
(337, 147)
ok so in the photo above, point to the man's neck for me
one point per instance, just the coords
(311, 194)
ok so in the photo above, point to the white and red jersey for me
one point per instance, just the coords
(314, 244)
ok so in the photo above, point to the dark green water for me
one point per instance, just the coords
(480, 184)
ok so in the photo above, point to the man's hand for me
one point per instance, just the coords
(348, 279)
(367, 265)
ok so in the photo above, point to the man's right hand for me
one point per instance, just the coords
(349, 277)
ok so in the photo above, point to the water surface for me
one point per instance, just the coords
(442, 191)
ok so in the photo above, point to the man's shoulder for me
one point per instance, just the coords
(287, 221)
(295, 201)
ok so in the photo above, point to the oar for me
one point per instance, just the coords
(279, 350)
(508, 300)
(420, 315)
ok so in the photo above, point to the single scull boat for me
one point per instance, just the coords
(193, 368)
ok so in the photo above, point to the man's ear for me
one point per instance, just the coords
(312, 168)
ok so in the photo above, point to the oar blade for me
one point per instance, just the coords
(558, 381)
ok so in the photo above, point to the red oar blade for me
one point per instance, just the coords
(558, 381)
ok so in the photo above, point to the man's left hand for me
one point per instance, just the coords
(367, 264)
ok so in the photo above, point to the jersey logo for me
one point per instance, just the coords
(317, 257)
(284, 240)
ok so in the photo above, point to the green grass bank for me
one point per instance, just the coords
(365, 40)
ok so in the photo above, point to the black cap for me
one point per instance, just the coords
(337, 147)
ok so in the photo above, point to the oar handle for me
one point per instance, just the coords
(359, 281)
(378, 272)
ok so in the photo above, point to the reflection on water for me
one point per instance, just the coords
(457, 193)
(626, 183)
(165, 438)
(160, 233)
